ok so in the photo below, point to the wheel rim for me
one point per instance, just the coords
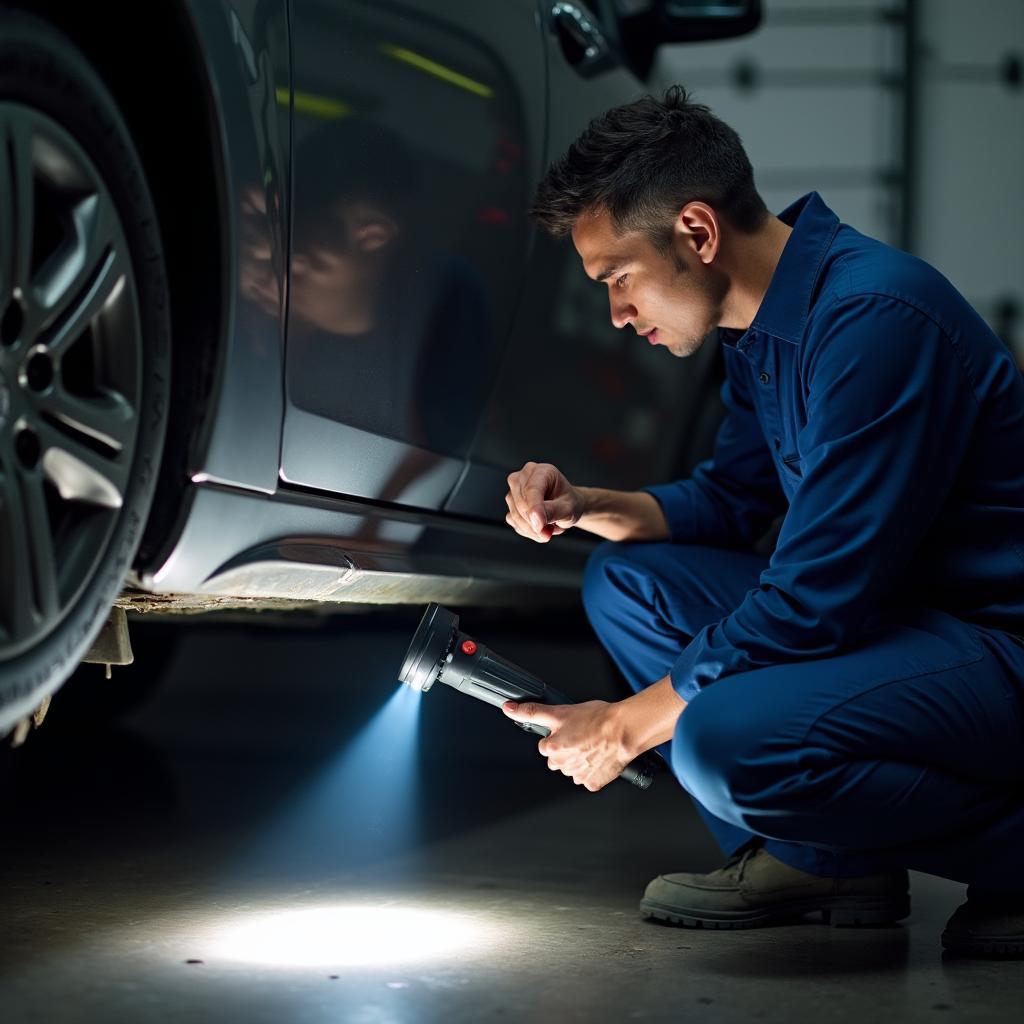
(70, 373)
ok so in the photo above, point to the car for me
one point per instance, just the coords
(274, 322)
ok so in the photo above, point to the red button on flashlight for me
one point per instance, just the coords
(468, 647)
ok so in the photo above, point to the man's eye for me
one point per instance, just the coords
(620, 281)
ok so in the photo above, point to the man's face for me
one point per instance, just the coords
(674, 299)
(335, 283)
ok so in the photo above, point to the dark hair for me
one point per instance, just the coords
(643, 162)
(350, 159)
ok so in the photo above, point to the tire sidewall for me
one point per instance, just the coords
(43, 69)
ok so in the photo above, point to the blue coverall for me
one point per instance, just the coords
(858, 698)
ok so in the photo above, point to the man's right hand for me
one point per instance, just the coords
(541, 502)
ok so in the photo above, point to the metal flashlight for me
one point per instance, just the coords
(439, 652)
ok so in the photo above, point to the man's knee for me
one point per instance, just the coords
(703, 751)
(599, 586)
(621, 571)
(731, 759)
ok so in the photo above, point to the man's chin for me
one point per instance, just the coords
(685, 347)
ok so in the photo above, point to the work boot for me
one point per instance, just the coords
(987, 925)
(754, 888)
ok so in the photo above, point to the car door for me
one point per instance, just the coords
(418, 131)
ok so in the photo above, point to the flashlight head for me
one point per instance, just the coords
(430, 646)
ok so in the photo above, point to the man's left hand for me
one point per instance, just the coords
(586, 741)
(593, 742)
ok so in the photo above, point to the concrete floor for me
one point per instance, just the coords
(258, 843)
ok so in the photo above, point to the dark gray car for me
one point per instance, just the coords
(274, 324)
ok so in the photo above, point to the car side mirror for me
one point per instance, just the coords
(683, 21)
(644, 25)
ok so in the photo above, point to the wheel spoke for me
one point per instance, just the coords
(40, 540)
(28, 593)
(78, 471)
(15, 567)
(73, 288)
(107, 417)
(17, 205)
(8, 217)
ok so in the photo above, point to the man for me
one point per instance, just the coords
(854, 705)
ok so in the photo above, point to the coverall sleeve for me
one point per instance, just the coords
(889, 419)
(731, 499)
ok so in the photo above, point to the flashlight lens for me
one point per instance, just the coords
(429, 645)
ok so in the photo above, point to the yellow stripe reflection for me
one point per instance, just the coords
(431, 67)
(315, 106)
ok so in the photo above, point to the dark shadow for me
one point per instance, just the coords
(804, 949)
(248, 722)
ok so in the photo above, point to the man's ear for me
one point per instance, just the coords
(698, 226)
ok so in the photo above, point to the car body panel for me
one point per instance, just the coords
(245, 48)
(323, 453)
(373, 494)
(331, 543)
(418, 141)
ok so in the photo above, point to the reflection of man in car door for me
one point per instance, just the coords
(853, 706)
(376, 312)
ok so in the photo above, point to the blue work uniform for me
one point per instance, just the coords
(857, 698)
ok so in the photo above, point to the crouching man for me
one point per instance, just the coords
(852, 706)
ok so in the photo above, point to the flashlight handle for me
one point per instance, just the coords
(553, 696)
(640, 771)
(478, 672)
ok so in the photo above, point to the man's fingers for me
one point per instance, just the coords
(520, 509)
(525, 530)
(534, 488)
(559, 510)
(531, 508)
(515, 520)
(535, 714)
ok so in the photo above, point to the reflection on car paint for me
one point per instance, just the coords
(409, 237)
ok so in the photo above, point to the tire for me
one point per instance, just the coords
(85, 349)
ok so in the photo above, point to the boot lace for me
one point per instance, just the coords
(739, 860)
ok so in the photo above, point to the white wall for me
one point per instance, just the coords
(971, 180)
(827, 114)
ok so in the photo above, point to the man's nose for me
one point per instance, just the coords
(623, 313)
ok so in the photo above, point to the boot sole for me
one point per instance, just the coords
(838, 913)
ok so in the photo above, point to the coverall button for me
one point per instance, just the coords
(764, 378)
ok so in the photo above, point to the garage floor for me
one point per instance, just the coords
(262, 842)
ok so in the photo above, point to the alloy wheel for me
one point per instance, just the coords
(70, 373)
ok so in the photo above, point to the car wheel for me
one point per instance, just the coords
(84, 358)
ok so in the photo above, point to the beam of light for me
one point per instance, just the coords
(364, 807)
(351, 936)
(431, 67)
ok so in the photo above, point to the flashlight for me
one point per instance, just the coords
(439, 652)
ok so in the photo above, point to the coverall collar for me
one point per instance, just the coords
(786, 305)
